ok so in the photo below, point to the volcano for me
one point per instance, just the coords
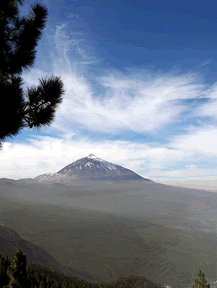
(91, 168)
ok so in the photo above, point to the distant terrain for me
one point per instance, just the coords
(112, 230)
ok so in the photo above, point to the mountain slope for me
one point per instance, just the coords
(91, 168)
(10, 241)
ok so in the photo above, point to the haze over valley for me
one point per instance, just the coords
(123, 179)
(140, 227)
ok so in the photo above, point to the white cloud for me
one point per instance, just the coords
(205, 63)
(71, 15)
(137, 102)
(155, 106)
(201, 140)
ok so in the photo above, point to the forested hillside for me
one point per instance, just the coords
(19, 273)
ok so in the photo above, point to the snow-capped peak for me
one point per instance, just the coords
(92, 167)
(92, 156)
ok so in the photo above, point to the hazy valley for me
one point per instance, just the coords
(103, 231)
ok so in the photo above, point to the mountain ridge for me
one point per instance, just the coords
(10, 241)
(91, 168)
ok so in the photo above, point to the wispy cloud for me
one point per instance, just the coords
(126, 102)
(205, 63)
(71, 15)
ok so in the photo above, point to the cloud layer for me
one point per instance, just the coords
(160, 125)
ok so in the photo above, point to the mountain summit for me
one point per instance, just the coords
(91, 168)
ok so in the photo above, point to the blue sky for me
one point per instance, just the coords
(141, 90)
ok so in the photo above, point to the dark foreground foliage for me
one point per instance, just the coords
(17, 273)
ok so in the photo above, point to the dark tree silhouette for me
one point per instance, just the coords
(201, 282)
(17, 52)
(17, 271)
(4, 264)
